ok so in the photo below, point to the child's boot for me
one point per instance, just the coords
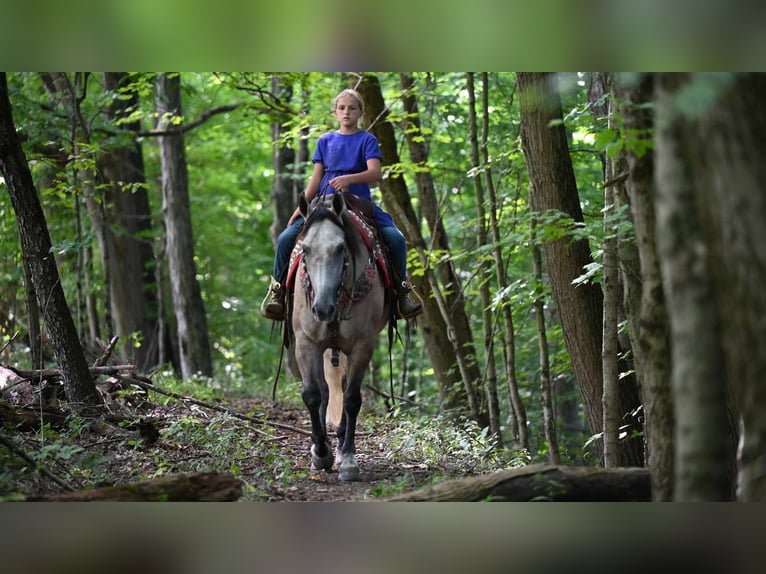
(273, 306)
(407, 306)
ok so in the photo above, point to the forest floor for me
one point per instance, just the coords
(263, 443)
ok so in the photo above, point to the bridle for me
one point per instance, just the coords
(360, 285)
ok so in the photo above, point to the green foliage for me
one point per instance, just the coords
(230, 168)
(403, 484)
(448, 445)
(261, 465)
(52, 450)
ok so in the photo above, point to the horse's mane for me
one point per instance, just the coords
(320, 211)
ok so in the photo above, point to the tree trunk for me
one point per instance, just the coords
(541, 482)
(642, 284)
(713, 192)
(699, 368)
(554, 187)
(193, 340)
(65, 91)
(79, 386)
(732, 192)
(610, 343)
(131, 276)
(457, 388)
(483, 271)
(284, 198)
(546, 391)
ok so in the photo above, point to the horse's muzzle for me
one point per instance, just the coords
(325, 312)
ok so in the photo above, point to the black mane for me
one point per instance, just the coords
(320, 212)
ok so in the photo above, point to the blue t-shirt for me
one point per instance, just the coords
(344, 154)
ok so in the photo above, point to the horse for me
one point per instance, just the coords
(339, 304)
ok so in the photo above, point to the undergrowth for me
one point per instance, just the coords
(88, 453)
(451, 445)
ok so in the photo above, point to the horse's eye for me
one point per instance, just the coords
(339, 250)
(306, 250)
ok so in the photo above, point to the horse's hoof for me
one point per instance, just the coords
(321, 462)
(348, 473)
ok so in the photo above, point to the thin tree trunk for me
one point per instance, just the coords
(79, 386)
(609, 348)
(283, 197)
(449, 333)
(68, 93)
(580, 307)
(131, 278)
(549, 418)
(446, 346)
(33, 316)
(628, 413)
(521, 430)
(483, 269)
(642, 284)
(193, 341)
(91, 300)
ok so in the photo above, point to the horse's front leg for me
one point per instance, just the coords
(315, 395)
(352, 402)
(340, 433)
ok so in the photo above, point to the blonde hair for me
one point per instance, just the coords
(349, 92)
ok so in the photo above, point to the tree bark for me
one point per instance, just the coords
(546, 391)
(642, 284)
(483, 273)
(284, 192)
(79, 386)
(67, 93)
(541, 482)
(610, 343)
(732, 193)
(711, 128)
(193, 339)
(129, 231)
(554, 187)
(457, 388)
(696, 321)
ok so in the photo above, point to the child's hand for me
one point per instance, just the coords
(339, 182)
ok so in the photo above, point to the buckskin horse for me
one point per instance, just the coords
(340, 303)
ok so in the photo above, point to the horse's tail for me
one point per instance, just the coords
(334, 377)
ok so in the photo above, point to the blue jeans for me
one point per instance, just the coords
(392, 237)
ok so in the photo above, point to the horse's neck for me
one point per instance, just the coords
(361, 255)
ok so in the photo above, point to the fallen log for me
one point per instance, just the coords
(22, 375)
(191, 487)
(26, 419)
(541, 482)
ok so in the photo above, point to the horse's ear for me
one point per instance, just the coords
(303, 206)
(338, 203)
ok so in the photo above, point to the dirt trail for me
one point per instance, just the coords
(272, 461)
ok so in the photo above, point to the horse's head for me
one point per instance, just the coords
(326, 252)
